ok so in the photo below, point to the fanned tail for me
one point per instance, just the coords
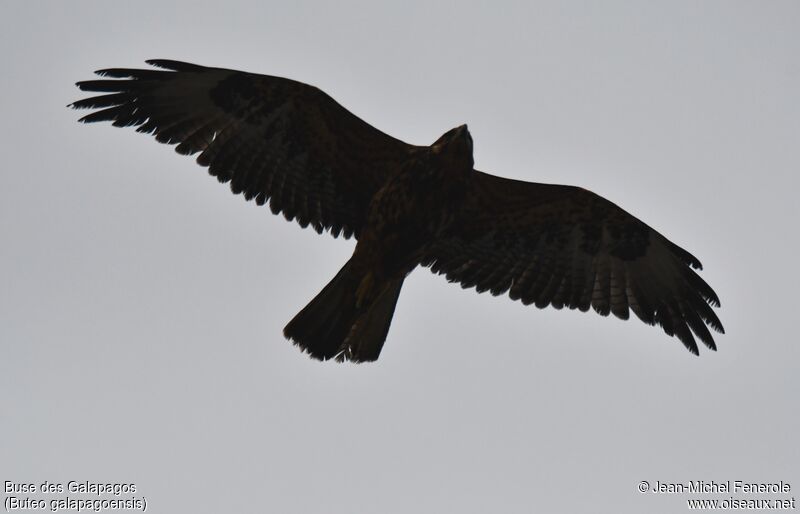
(335, 324)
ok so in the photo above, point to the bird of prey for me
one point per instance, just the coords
(290, 144)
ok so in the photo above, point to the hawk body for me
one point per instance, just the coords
(416, 208)
(418, 205)
(287, 143)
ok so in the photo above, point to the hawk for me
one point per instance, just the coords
(291, 145)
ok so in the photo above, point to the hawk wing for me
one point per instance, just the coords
(272, 138)
(568, 247)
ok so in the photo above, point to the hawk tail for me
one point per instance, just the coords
(335, 324)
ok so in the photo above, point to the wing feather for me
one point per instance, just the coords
(563, 246)
(273, 139)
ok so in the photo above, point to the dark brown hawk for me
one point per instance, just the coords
(287, 143)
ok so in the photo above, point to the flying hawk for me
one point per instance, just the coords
(290, 144)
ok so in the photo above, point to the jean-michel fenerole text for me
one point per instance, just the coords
(725, 486)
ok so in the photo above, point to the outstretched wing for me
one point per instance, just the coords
(272, 138)
(568, 247)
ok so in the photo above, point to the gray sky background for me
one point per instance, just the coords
(142, 304)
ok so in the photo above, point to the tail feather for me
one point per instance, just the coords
(368, 333)
(333, 325)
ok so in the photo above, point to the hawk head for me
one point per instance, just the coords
(456, 146)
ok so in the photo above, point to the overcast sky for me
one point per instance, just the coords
(142, 304)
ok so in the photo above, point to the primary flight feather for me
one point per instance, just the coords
(290, 144)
